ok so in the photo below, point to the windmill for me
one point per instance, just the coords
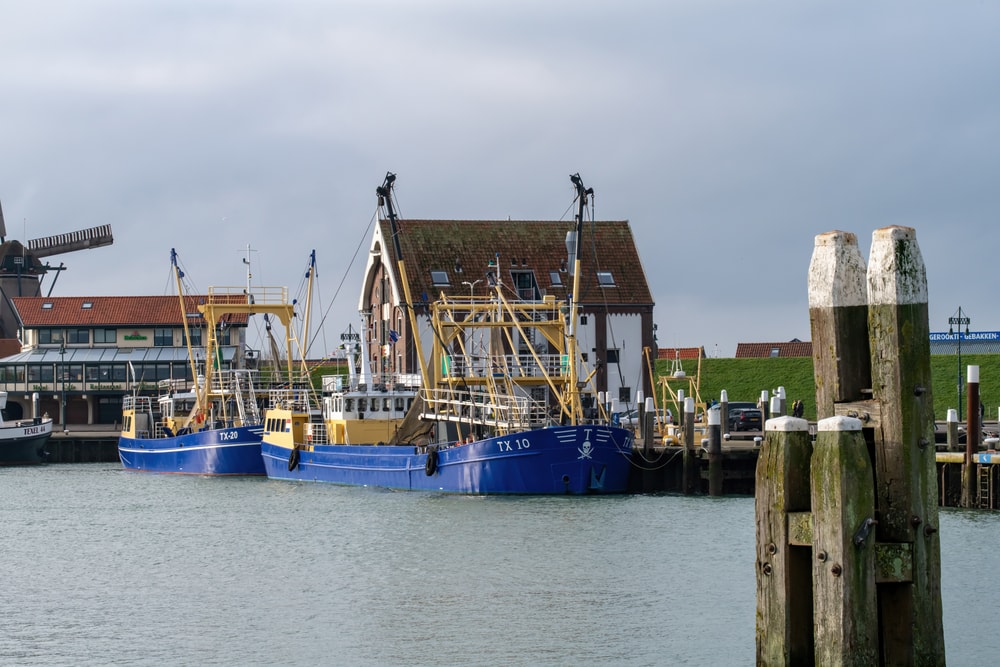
(21, 269)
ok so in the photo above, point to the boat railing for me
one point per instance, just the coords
(317, 434)
(137, 403)
(294, 399)
(380, 382)
(261, 296)
(174, 385)
(500, 411)
(509, 365)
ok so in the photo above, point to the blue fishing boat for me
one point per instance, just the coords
(498, 409)
(215, 441)
(213, 424)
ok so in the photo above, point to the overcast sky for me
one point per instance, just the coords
(729, 133)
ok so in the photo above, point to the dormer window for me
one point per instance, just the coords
(524, 283)
(605, 279)
(440, 279)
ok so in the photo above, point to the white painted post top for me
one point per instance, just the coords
(973, 374)
(837, 272)
(839, 423)
(689, 405)
(786, 424)
(723, 396)
(650, 404)
(714, 418)
(952, 415)
(896, 272)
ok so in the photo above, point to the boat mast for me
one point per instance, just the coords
(310, 275)
(246, 260)
(178, 274)
(384, 193)
(582, 193)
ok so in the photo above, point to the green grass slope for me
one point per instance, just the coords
(744, 379)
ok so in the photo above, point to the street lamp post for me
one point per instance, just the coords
(62, 380)
(952, 322)
(472, 286)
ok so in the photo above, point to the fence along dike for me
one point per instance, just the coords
(848, 548)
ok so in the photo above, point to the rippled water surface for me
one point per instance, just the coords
(99, 566)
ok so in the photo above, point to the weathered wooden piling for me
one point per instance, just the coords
(905, 470)
(784, 565)
(838, 315)
(843, 514)
(970, 469)
(715, 471)
(952, 431)
(872, 522)
(692, 465)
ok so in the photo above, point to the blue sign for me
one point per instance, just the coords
(972, 335)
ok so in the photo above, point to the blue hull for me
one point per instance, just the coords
(228, 451)
(558, 460)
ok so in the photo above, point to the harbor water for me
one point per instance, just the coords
(103, 567)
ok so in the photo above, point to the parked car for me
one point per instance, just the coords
(631, 418)
(745, 419)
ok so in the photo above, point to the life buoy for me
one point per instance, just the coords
(293, 459)
(431, 466)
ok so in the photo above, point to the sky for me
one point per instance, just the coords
(730, 133)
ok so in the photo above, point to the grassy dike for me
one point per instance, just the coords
(744, 379)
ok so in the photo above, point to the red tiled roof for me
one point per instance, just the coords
(464, 249)
(109, 311)
(672, 353)
(794, 348)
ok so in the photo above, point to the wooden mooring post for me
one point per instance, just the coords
(848, 549)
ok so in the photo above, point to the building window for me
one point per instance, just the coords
(51, 337)
(105, 336)
(47, 305)
(605, 279)
(524, 283)
(78, 336)
(195, 334)
(555, 278)
(612, 356)
(163, 337)
(12, 373)
(775, 351)
(41, 373)
(440, 279)
(106, 373)
(86, 305)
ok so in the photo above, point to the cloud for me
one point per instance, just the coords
(728, 133)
